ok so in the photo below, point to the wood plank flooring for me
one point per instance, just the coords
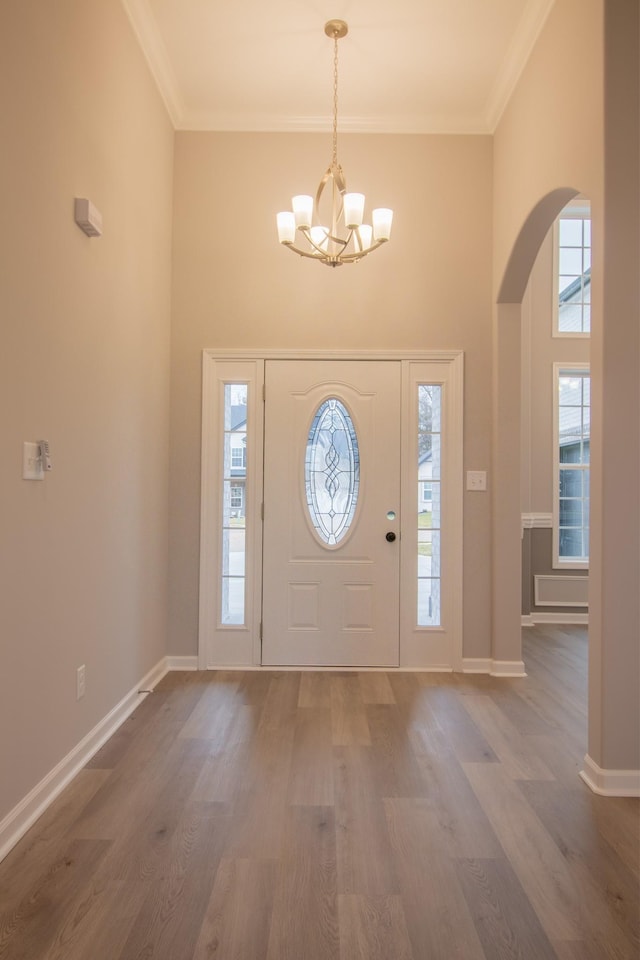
(337, 816)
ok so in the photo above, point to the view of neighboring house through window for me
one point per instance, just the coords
(572, 446)
(573, 273)
(233, 554)
(429, 481)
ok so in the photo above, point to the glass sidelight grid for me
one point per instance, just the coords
(233, 527)
(429, 480)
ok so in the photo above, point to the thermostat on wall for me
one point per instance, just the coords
(88, 217)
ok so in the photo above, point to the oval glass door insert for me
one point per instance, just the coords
(332, 471)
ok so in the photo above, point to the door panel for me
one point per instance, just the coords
(337, 602)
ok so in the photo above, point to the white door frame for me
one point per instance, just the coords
(239, 646)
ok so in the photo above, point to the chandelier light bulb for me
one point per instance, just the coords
(303, 210)
(382, 218)
(364, 236)
(320, 237)
(353, 205)
(348, 239)
(286, 227)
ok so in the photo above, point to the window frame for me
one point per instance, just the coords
(573, 211)
(558, 562)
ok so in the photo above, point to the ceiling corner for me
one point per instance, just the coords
(153, 48)
(523, 41)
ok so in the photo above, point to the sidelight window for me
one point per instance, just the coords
(429, 401)
(233, 529)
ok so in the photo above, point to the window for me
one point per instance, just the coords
(233, 560)
(426, 493)
(238, 456)
(429, 401)
(571, 465)
(572, 272)
(237, 499)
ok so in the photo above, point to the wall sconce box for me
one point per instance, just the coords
(88, 217)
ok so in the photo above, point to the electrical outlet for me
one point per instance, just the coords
(476, 480)
(80, 682)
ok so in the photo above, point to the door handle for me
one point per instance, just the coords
(390, 536)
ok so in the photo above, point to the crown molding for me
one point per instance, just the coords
(155, 52)
(520, 48)
(275, 123)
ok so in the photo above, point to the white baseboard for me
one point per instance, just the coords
(495, 668)
(568, 619)
(182, 663)
(610, 783)
(476, 665)
(24, 815)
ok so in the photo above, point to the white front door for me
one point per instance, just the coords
(331, 561)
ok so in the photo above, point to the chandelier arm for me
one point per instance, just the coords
(338, 178)
(333, 259)
(303, 253)
(341, 241)
(359, 254)
(323, 253)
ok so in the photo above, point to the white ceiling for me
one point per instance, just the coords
(421, 66)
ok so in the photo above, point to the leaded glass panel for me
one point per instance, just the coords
(332, 471)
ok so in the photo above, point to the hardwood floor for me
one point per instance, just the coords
(337, 816)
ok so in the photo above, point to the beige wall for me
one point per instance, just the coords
(235, 287)
(85, 364)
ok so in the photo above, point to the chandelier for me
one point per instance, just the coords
(348, 239)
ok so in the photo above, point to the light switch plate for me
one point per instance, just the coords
(476, 479)
(31, 461)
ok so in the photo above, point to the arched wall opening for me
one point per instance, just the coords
(506, 444)
(555, 422)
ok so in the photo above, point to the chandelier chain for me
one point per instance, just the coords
(334, 161)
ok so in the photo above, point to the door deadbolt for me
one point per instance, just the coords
(390, 536)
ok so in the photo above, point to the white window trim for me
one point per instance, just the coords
(575, 211)
(559, 563)
(235, 644)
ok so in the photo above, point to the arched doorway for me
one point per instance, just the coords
(555, 415)
(506, 502)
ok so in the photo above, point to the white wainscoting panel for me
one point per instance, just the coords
(555, 590)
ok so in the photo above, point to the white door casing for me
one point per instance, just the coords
(434, 647)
